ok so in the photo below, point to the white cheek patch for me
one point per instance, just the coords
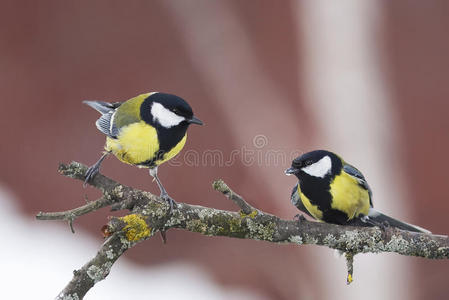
(320, 168)
(164, 116)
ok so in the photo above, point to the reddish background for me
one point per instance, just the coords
(55, 54)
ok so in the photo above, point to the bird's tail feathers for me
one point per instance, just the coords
(102, 107)
(377, 218)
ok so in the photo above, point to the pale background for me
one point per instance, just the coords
(366, 79)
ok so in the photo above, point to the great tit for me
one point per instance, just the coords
(332, 191)
(144, 131)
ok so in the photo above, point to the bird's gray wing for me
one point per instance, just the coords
(106, 122)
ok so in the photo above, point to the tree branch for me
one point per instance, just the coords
(71, 215)
(221, 186)
(150, 214)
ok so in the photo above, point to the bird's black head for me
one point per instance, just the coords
(167, 111)
(318, 163)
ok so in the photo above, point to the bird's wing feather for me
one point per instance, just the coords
(101, 106)
(106, 125)
(354, 172)
(296, 200)
(106, 122)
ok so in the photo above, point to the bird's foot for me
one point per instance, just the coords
(94, 169)
(384, 226)
(169, 200)
(90, 174)
(299, 218)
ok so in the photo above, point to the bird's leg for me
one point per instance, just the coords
(94, 169)
(384, 225)
(164, 195)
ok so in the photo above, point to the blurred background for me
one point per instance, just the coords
(271, 80)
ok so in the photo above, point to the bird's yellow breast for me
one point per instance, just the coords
(138, 143)
(348, 196)
(312, 209)
(174, 151)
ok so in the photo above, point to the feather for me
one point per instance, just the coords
(106, 122)
(354, 172)
(377, 218)
(296, 200)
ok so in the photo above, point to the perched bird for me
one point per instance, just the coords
(332, 191)
(144, 131)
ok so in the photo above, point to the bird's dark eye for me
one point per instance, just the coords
(308, 163)
(176, 111)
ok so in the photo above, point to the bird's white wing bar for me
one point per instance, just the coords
(106, 122)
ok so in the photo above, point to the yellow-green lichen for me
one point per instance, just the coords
(220, 185)
(136, 228)
(217, 224)
(252, 215)
(197, 226)
(235, 225)
(261, 231)
(232, 227)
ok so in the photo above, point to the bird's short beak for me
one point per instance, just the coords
(291, 171)
(195, 120)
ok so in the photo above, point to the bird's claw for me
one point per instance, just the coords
(384, 226)
(169, 200)
(90, 174)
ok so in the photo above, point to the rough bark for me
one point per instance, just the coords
(149, 215)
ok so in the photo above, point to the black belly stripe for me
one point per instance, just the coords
(317, 190)
(168, 138)
(151, 163)
(335, 217)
